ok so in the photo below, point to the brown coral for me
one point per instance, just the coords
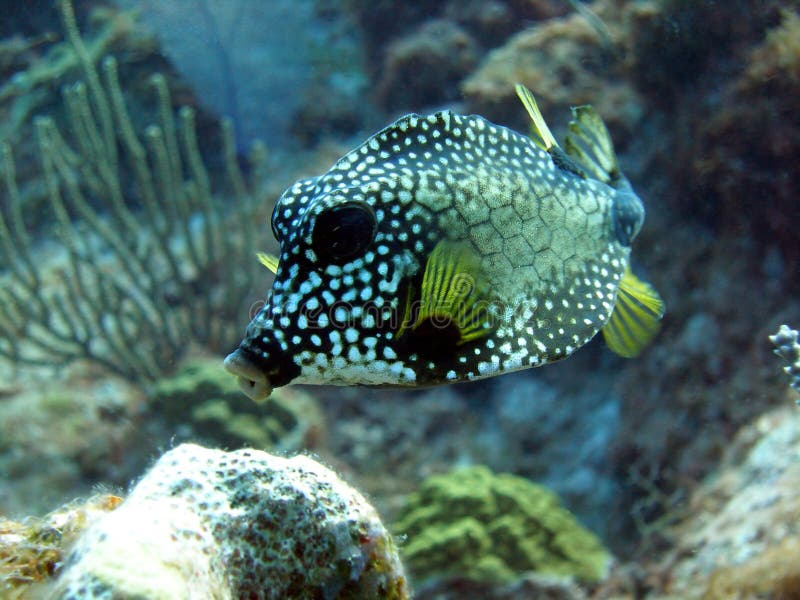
(425, 67)
(750, 144)
(30, 551)
(741, 538)
(774, 574)
(777, 60)
(565, 61)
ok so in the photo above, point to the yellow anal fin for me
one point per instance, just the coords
(452, 294)
(636, 318)
(268, 260)
(543, 137)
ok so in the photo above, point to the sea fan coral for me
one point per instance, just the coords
(149, 271)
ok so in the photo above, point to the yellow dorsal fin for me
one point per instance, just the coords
(452, 293)
(543, 137)
(588, 143)
(636, 317)
(268, 260)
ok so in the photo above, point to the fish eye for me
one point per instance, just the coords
(343, 231)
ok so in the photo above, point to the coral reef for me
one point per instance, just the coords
(30, 551)
(529, 586)
(700, 98)
(420, 52)
(489, 21)
(149, 271)
(58, 438)
(560, 437)
(742, 532)
(548, 426)
(743, 145)
(425, 67)
(674, 45)
(385, 20)
(730, 117)
(210, 524)
(30, 81)
(566, 61)
(528, 424)
(203, 403)
(772, 574)
(778, 57)
(373, 433)
(474, 524)
(684, 400)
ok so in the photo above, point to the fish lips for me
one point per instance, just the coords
(261, 364)
(252, 380)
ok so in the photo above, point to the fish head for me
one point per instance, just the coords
(350, 246)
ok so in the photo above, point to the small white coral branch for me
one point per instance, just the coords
(788, 348)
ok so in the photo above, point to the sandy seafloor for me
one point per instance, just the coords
(684, 460)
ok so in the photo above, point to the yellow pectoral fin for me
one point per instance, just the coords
(268, 260)
(636, 318)
(452, 292)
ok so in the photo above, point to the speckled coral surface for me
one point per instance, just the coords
(211, 524)
(747, 511)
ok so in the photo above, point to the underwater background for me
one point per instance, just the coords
(143, 146)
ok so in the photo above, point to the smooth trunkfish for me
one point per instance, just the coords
(446, 248)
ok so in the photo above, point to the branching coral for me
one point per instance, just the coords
(26, 79)
(148, 271)
(788, 348)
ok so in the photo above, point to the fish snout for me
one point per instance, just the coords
(252, 380)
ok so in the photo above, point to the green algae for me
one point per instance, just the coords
(203, 395)
(494, 527)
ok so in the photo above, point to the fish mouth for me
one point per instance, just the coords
(252, 380)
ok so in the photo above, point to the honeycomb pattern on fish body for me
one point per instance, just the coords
(544, 237)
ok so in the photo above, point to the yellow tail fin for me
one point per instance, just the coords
(636, 317)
